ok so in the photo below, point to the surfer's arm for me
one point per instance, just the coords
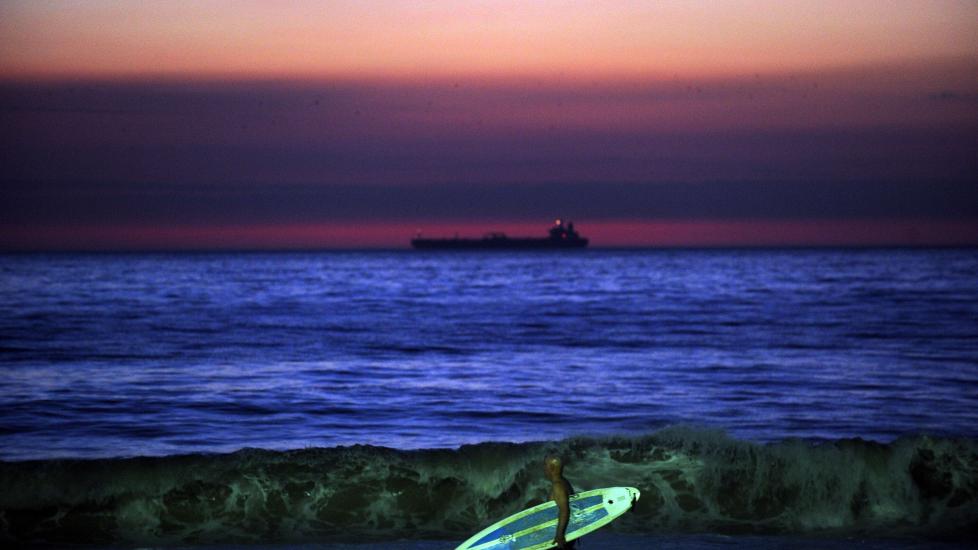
(562, 499)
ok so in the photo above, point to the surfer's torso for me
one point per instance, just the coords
(568, 488)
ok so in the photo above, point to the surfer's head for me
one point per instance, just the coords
(553, 467)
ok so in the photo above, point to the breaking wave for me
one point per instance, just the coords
(692, 480)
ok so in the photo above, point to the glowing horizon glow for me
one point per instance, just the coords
(452, 38)
(396, 235)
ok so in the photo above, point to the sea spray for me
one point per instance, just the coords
(692, 480)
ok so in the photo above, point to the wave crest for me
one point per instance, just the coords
(692, 480)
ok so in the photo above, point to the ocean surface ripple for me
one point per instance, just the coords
(374, 396)
(158, 354)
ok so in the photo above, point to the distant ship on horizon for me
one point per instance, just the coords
(562, 236)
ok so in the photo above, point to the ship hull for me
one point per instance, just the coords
(498, 244)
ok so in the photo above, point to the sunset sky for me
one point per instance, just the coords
(252, 124)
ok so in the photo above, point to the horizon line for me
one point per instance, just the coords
(408, 76)
(408, 248)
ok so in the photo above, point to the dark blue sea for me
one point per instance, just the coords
(405, 399)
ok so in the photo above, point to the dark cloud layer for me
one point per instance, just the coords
(887, 145)
(92, 203)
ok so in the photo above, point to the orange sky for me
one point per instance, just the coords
(450, 37)
(260, 124)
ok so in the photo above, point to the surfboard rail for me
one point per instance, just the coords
(535, 528)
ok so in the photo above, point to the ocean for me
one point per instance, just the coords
(404, 399)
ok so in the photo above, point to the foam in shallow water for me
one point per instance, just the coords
(692, 481)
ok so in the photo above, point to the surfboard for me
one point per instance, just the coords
(535, 528)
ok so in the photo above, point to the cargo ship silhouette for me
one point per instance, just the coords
(561, 236)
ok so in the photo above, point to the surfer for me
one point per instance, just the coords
(560, 493)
